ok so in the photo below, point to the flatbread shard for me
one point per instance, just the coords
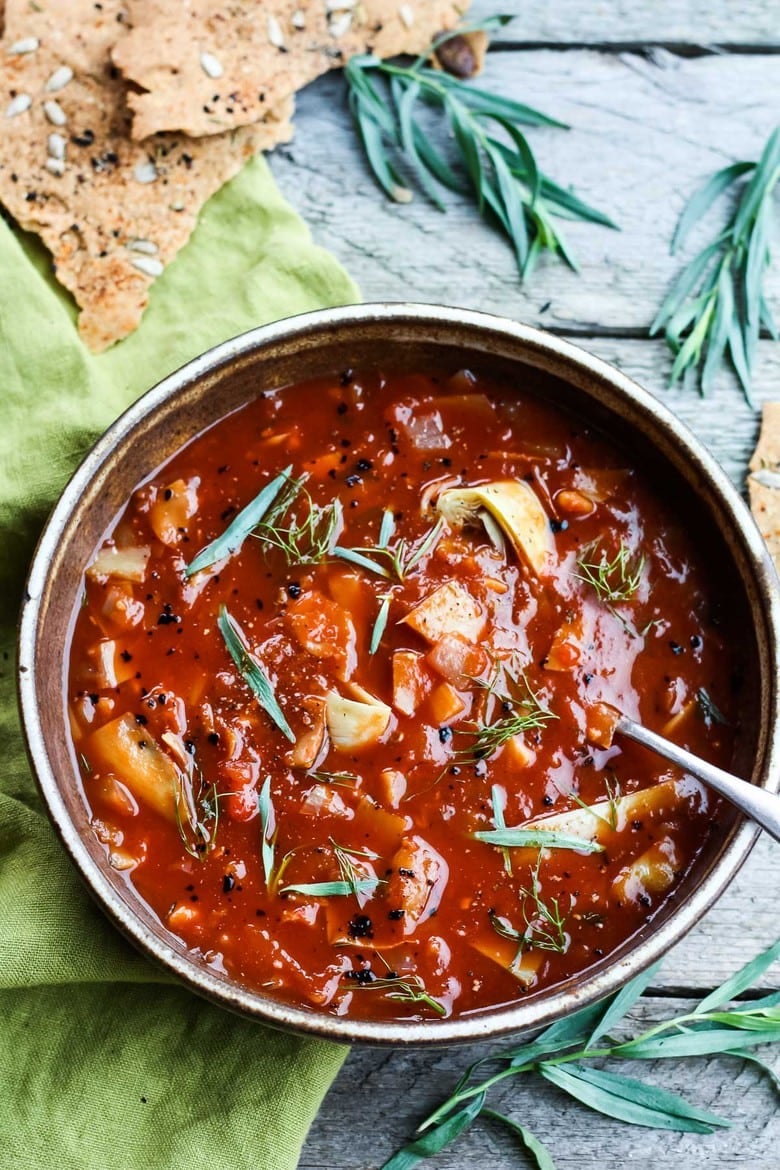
(764, 480)
(111, 212)
(206, 67)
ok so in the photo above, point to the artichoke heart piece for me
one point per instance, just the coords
(600, 821)
(353, 724)
(514, 506)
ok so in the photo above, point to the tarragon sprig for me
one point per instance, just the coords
(563, 1053)
(497, 166)
(615, 580)
(717, 305)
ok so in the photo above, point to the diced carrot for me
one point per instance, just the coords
(600, 724)
(496, 585)
(324, 629)
(445, 704)
(574, 503)
(518, 753)
(351, 591)
(376, 828)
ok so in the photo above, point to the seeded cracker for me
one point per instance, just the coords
(112, 212)
(764, 480)
(207, 66)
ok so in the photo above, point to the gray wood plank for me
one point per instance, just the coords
(646, 133)
(697, 22)
(380, 1096)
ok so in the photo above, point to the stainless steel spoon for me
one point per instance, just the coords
(761, 806)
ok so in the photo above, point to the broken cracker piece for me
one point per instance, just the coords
(764, 480)
(255, 57)
(112, 213)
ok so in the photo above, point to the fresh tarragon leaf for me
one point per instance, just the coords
(240, 527)
(252, 671)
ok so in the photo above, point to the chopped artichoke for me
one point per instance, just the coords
(352, 724)
(516, 508)
(597, 822)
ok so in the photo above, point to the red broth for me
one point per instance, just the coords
(412, 668)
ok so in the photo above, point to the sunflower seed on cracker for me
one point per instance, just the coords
(275, 34)
(145, 172)
(145, 246)
(55, 113)
(56, 145)
(148, 265)
(59, 79)
(25, 45)
(18, 105)
(210, 65)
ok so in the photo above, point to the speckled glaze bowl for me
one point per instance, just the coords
(395, 337)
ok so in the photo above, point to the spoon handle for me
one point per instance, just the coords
(761, 806)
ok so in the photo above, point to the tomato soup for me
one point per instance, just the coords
(343, 686)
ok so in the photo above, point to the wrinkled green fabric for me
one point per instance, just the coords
(104, 1061)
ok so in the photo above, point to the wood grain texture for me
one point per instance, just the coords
(379, 1097)
(649, 127)
(646, 132)
(686, 22)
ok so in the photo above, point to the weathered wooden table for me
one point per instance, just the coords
(658, 96)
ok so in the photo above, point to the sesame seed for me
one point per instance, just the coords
(56, 144)
(275, 34)
(20, 105)
(55, 166)
(59, 79)
(146, 246)
(210, 65)
(406, 14)
(55, 113)
(25, 45)
(148, 265)
(145, 172)
(298, 19)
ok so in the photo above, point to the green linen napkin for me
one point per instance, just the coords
(104, 1061)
